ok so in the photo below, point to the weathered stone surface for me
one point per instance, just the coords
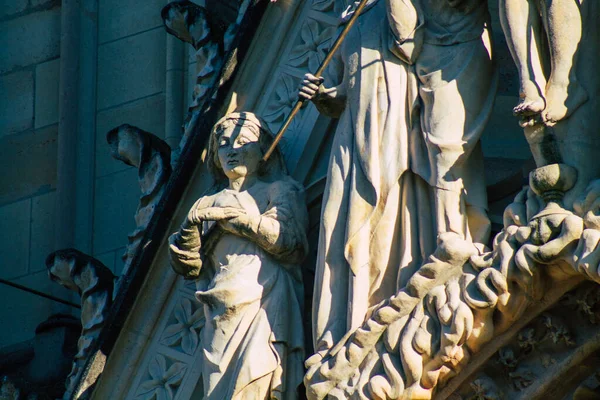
(131, 68)
(14, 242)
(12, 7)
(107, 259)
(29, 309)
(115, 204)
(147, 113)
(29, 39)
(20, 177)
(120, 18)
(42, 230)
(16, 113)
(502, 137)
(152, 157)
(46, 93)
(94, 283)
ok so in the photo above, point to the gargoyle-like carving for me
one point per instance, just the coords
(243, 245)
(94, 282)
(152, 156)
(193, 24)
(415, 342)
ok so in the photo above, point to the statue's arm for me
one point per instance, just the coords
(185, 244)
(281, 229)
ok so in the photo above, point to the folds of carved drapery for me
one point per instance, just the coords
(462, 305)
(94, 282)
(152, 156)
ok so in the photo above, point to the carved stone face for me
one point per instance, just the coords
(239, 151)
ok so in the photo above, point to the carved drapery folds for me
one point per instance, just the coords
(94, 282)
(152, 156)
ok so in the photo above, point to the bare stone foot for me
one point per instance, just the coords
(531, 103)
(562, 100)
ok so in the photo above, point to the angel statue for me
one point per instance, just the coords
(243, 246)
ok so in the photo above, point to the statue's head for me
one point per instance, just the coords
(238, 142)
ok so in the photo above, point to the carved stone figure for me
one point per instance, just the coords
(94, 282)
(243, 246)
(524, 23)
(151, 156)
(413, 96)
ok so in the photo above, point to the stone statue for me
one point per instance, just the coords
(413, 95)
(243, 246)
(523, 23)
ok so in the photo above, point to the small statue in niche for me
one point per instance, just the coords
(523, 22)
(243, 245)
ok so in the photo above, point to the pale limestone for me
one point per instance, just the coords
(243, 246)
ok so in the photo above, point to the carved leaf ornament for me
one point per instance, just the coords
(164, 381)
(185, 330)
(315, 40)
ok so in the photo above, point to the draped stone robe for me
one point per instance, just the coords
(406, 133)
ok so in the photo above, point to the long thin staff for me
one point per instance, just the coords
(318, 73)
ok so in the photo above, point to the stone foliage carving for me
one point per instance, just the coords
(94, 282)
(152, 156)
(414, 342)
(243, 245)
(195, 25)
(164, 381)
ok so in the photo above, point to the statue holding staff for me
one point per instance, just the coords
(413, 95)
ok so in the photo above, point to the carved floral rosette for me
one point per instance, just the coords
(463, 304)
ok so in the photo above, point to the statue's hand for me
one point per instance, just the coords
(196, 216)
(310, 87)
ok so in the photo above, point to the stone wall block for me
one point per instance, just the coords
(28, 164)
(131, 68)
(120, 18)
(12, 7)
(30, 39)
(116, 201)
(16, 112)
(42, 230)
(14, 239)
(46, 93)
(147, 114)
